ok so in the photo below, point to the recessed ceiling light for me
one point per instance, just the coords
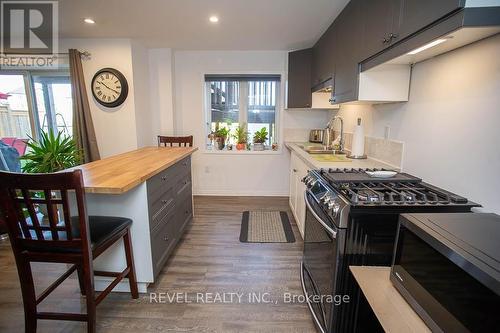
(214, 19)
(428, 46)
(89, 21)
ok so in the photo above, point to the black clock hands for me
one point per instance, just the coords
(116, 92)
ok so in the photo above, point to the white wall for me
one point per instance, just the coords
(224, 174)
(115, 127)
(161, 90)
(451, 125)
(144, 114)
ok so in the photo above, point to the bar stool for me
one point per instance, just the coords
(181, 141)
(60, 238)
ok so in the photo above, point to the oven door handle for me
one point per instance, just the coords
(332, 232)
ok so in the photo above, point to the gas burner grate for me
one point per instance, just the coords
(396, 193)
(359, 188)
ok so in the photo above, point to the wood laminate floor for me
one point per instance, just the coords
(209, 259)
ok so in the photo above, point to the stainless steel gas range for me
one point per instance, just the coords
(351, 219)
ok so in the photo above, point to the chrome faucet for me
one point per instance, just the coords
(330, 126)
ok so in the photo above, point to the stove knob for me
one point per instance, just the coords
(326, 198)
(335, 209)
(334, 206)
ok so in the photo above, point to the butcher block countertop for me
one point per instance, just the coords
(120, 173)
(392, 311)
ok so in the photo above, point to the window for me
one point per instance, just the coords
(35, 101)
(249, 101)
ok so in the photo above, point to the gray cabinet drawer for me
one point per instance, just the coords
(169, 176)
(183, 185)
(183, 167)
(161, 206)
(163, 241)
(184, 214)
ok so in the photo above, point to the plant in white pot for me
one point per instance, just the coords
(219, 135)
(259, 139)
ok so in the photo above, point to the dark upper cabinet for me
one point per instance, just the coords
(299, 79)
(414, 15)
(364, 29)
(388, 21)
(323, 57)
(378, 21)
(348, 53)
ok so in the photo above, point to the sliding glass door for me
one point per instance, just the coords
(31, 102)
(53, 106)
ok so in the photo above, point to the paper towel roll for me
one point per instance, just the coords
(358, 140)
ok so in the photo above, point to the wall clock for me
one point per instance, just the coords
(109, 87)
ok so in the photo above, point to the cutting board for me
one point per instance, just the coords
(330, 158)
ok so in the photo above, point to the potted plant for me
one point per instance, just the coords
(51, 153)
(241, 136)
(259, 138)
(220, 136)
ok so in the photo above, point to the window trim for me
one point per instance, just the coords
(280, 95)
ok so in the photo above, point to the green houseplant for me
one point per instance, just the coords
(220, 135)
(241, 136)
(51, 153)
(259, 138)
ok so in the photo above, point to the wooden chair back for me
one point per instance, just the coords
(181, 141)
(23, 195)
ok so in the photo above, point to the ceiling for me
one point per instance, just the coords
(184, 24)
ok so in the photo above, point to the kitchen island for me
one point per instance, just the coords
(152, 186)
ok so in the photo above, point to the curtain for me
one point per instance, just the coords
(83, 128)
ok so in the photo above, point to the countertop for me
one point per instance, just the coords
(391, 309)
(120, 173)
(368, 163)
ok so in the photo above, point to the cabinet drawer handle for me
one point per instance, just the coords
(165, 238)
(294, 170)
(185, 182)
(187, 212)
(164, 178)
(393, 36)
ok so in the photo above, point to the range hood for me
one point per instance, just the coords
(466, 26)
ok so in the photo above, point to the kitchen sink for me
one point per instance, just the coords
(321, 150)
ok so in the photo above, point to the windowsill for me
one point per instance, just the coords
(242, 152)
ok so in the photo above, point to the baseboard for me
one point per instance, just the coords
(231, 193)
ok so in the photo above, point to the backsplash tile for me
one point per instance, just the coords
(388, 151)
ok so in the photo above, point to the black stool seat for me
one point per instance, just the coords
(101, 228)
(104, 228)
